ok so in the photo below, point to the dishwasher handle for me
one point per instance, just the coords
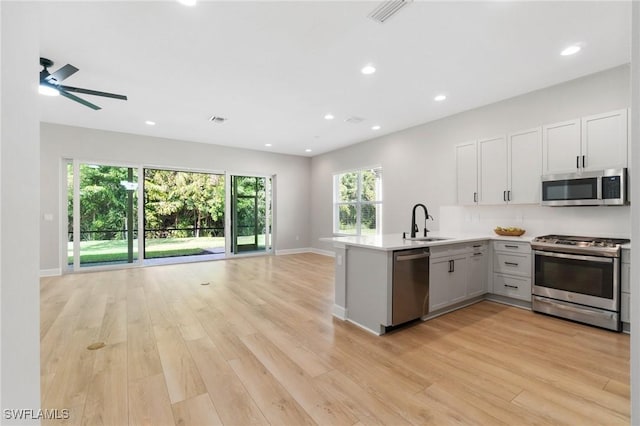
(402, 257)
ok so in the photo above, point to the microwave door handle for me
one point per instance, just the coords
(599, 189)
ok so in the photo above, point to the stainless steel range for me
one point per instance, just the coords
(578, 278)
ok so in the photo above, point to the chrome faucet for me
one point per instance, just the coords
(414, 226)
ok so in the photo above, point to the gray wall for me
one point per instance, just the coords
(57, 142)
(419, 163)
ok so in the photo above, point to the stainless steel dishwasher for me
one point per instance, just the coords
(410, 285)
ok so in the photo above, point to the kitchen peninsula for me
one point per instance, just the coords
(374, 286)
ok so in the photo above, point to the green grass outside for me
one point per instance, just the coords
(103, 251)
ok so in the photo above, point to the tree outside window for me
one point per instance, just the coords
(358, 202)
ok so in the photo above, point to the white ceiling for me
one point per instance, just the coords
(274, 69)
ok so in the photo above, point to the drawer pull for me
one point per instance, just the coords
(511, 263)
(477, 254)
(477, 246)
(511, 246)
(511, 286)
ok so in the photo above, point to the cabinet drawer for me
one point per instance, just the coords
(516, 287)
(625, 278)
(626, 256)
(515, 264)
(625, 307)
(514, 247)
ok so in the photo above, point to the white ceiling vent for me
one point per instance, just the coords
(387, 9)
(217, 119)
(354, 120)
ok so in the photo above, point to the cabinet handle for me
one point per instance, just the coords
(452, 265)
(477, 246)
(583, 163)
(511, 246)
(511, 286)
(509, 195)
(477, 254)
(504, 196)
(577, 161)
(511, 263)
(475, 197)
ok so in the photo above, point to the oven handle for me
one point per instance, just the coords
(574, 256)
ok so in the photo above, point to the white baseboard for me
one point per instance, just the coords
(329, 253)
(339, 312)
(50, 272)
(293, 251)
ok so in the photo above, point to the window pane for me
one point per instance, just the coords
(347, 219)
(372, 185)
(347, 187)
(370, 219)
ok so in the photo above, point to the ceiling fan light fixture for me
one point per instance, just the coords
(47, 90)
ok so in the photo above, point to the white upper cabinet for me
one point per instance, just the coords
(604, 141)
(524, 166)
(492, 164)
(592, 143)
(467, 173)
(561, 147)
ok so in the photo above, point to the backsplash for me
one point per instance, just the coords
(612, 222)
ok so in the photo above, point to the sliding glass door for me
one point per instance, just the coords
(103, 214)
(250, 214)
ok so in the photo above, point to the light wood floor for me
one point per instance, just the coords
(258, 345)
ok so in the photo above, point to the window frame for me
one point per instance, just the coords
(358, 202)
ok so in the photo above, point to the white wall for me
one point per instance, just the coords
(19, 191)
(58, 141)
(635, 214)
(419, 164)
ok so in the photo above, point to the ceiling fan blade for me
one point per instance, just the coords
(93, 92)
(62, 73)
(79, 100)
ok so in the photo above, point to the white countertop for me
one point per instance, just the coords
(389, 242)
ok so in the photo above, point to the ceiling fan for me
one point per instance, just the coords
(50, 84)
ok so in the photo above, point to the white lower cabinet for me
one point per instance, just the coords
(512, 269)
(625, 287)
(456, 274)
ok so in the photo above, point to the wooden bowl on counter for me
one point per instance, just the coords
(509, 233)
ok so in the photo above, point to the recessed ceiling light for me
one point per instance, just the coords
(571, 50)
(368, 69)
(307, 150)
(188, 2)
(376, 127)
(48, 90)
(267, 144)
(329, 117)
(150, 123)
(440, 98)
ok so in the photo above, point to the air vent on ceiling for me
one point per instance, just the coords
(387, 9)
(218, 120)
(354, 120)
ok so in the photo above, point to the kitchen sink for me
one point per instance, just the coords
(427, 239)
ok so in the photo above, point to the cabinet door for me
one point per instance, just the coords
(467, 173)
(447, 282)
(440, 280)
(525, 166)
(561, 147)
(477, 284)
(492, 160)
(604, 140)
(459, 277)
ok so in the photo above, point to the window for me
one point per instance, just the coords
(357, 202)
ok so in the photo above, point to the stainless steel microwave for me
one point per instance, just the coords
(596, 188)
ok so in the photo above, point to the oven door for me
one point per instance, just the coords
(587, 280)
